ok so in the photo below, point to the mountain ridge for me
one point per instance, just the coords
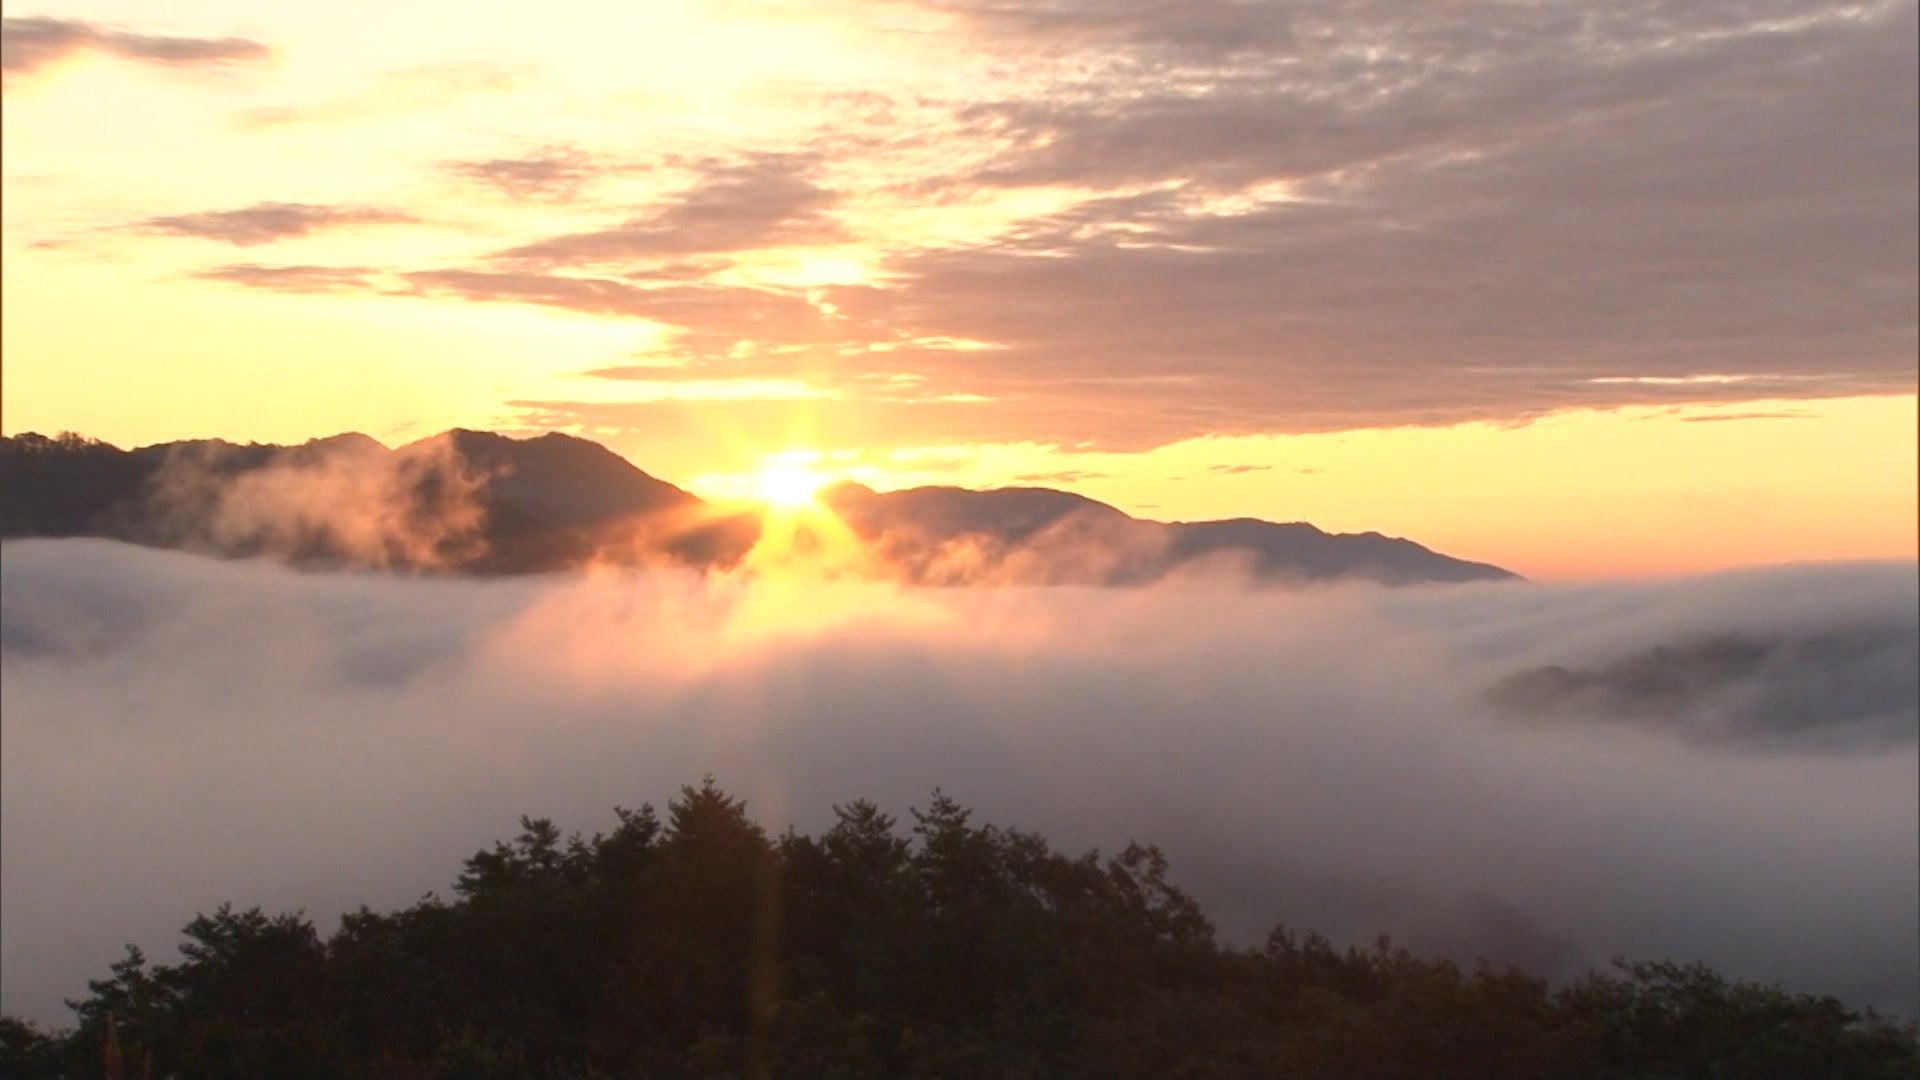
(481, 502)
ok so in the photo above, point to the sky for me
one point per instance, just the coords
(1582, 290)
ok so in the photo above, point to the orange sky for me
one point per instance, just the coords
(1615, 296)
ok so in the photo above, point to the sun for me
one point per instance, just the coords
(800, 537)
(788, 486)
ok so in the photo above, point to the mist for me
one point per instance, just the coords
(180, 731)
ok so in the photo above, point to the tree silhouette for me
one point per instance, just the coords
(698, 946)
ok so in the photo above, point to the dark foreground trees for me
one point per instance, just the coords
(700, 947)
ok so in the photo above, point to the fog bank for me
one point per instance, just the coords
(178, 731)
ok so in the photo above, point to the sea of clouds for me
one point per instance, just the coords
(177, 731)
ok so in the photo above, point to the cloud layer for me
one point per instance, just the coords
(1130, 224)
(181, 731)
(1388, 214)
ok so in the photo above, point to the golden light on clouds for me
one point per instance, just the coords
(1292, 264)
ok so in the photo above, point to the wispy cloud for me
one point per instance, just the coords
(407, 90)
(267, 222)
(294, 278)
(1200, 29)
(1063, 476)
(760, 201)
(33, 43)
(1712, 418)
(557, 173)
(730, 312)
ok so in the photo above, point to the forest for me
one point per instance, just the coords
(695, 945)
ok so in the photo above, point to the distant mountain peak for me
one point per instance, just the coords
(346, 440)
(552, 501)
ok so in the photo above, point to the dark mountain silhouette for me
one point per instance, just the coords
(477, 502)
(563, 481)
(946, 535)
(1299, 549)
(1015, 514)
(556, 502)
(64, 486)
